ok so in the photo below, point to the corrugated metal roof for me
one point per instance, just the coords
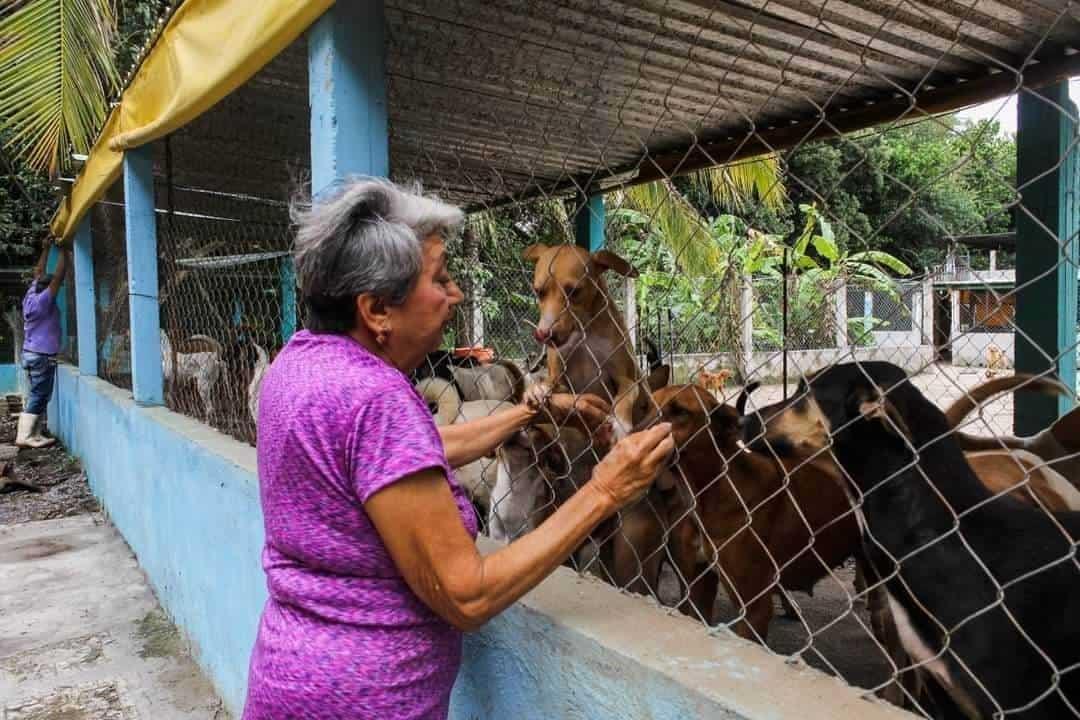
(505, 99)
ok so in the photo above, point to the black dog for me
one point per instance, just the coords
(985, 591)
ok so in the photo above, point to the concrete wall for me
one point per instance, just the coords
(9, 378)
(768, 366)
(969, 349)
(185, 498)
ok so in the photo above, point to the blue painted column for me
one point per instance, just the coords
(589, 223)
(141, 227)
(61, 296)
(1046, 249)
(85, 302)
(287, 273)
(347, 93)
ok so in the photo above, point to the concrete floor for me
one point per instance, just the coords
(82, 636)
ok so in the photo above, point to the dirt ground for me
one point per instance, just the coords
(40, 484)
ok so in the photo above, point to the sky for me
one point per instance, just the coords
(1004, 110)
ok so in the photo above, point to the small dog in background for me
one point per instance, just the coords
(714, 382)
(995, 360)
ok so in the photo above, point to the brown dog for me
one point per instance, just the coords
(1058, 445)
(741, 519)
(589, 351)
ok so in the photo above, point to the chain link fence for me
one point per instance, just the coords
(768, 522)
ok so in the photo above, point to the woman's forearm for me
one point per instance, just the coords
(472, 440)
(508, 574)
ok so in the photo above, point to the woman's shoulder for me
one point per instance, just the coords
(341, 368)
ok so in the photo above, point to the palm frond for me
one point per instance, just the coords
(738, 184)
(56, 76)
(677, 224)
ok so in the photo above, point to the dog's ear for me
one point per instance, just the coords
(659, 378)
(607, 260)
(533, 252)
(870, 404)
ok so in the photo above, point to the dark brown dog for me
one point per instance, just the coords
(740, 518)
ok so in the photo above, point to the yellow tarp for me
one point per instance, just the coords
(208, 49)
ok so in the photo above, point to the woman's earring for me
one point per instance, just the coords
(381, 338)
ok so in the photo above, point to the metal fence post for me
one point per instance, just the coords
(85, 302)
(287, 275)
(589, 223)
(140, 226)
(1046, 249)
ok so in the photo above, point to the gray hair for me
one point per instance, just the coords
(365, 237)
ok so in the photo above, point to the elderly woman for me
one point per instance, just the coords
(370, 559)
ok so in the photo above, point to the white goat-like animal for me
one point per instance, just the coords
(203, 366)
(538, 469)
(262, 364)
(478, 477)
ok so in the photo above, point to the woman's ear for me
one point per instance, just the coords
(372, 313)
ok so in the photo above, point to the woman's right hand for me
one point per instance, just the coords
(626, 473)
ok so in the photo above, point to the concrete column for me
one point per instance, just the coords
(85, 302)
(630, 303)
(954, 330)
(141, 229)
(868, 311)
(840, 315)
(347, 93)
(746, 317)
(287, 273)
(927, 312)
(589, 223)
(1046, 249)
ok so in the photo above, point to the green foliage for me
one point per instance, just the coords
(906, 190)
(56, 75)
(26, 205)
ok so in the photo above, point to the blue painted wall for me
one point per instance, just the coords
(9, 378)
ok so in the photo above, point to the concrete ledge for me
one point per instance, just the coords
(577, 648)
(185, 497)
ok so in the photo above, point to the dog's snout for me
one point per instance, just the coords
(542, 335)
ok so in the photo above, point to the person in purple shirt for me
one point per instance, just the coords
(371, 565)
(41, 343)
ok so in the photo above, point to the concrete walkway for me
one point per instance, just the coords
(82, 636)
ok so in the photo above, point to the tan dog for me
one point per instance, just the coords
(1057, 445)
(589, 351)
(714, 382)
(588, 346)
(995, 360)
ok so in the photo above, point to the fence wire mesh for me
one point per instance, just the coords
(953, 597)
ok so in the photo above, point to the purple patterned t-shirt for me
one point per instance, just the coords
(342, 635)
